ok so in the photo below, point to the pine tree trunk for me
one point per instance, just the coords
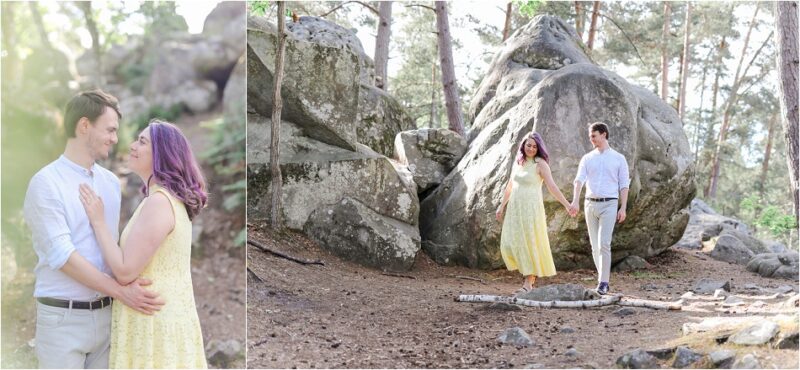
(277, 181)
(434, 98)
(726, 115)
(702, 112)
(37, 21)
(708, 143)
(86, 8)
(451, 96)
(507, 26)
(382, 44)
(685, 63)
(593, 26)
(767, 152)
(787, 45)
(665, 52)
(579, 19)
(11, 62)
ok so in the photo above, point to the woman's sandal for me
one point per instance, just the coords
(521, 291)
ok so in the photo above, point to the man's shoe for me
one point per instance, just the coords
(602, 288)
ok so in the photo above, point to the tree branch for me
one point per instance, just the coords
(421, 6)
(254, 275)
(373, 10)
(743, 77)
(281, 254)
(604, 301)
(608, 300)
(627, 37)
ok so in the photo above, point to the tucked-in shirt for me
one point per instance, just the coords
(604, 173)
(59, 224)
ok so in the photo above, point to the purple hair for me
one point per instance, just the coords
(541, 151)
(175, 167)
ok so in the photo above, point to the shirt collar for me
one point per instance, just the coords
(76, 167)
(609, 149)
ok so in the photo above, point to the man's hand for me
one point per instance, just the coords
(499, 214)
(573, 209)
(621, 215)
(140, 299)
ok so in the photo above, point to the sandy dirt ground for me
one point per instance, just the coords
(345, 315)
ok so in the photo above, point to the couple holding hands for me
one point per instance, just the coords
(524, 244)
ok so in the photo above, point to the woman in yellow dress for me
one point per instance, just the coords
(156, 244)
(523, 241)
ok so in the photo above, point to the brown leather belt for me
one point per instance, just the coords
(62, 303)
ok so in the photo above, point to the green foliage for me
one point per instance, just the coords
(240, 238)
(258, 8)
(776, 222)
(136, 74)
(414, 84)
(528, 8)
(227, 156)
(169, 114)
(161, 18)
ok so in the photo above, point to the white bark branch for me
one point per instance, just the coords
(605, 301)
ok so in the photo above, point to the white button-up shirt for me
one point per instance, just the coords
(60, 226)
(604, 173)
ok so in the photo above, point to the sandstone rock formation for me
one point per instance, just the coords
(542, 81)
(339, 185)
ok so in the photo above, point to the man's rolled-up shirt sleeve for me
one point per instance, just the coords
(624, 176)
(45, 215)
(581, 176)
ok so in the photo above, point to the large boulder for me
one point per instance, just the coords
(325, 178)
(429, 154)
(380, 118)
(234, 97)
(214, 58)
(704, 223)
(353, 231)
(320, 87)
(337, 133)
(196, 95)
(777, 265)
(118, 54)
(546, 43)
(457, 221)
(324, 33)
(170, 69)
(224, 32)
(730, 249)
(227, 22)
(338, 105)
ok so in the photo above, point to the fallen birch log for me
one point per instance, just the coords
(608, 300)
(670, 306)
(605, 301)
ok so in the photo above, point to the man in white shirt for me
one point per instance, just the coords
(73, 288)
(605, 173)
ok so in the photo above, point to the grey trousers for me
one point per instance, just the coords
(72, 338)
(600, 220)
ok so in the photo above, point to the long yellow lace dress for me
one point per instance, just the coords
(523, 242)
(171, 338)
